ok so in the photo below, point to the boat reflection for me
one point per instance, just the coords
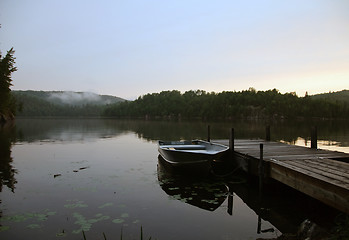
(191, 188)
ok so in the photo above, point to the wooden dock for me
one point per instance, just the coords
(321, 174)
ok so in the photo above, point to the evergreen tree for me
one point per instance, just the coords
(7, 102)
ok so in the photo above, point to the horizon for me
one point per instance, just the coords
(182, 92)
(129, 49)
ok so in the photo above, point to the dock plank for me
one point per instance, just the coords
(310, 170)
(320, 189)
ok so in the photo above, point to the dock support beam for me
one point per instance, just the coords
(230, 204)
(260, 169)
(208, 133)
(231, 140)
(314, 137)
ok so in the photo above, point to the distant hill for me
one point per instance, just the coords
(252, 104)
(62, 103)
(341, 96)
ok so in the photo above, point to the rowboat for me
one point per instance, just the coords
(190, 152)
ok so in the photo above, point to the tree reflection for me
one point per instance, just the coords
(7, 172)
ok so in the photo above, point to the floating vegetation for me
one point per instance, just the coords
(23, 217)
(4, 228)
(77, 204)
(33, 226)
(118, 220)
(35, 217)
(61, 234)
(106, 205)
(86, 224)
(121, 219)
(15, 218)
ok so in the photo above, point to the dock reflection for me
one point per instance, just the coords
(288, 211)
(291, 212)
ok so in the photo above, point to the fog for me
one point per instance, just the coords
(75, 98)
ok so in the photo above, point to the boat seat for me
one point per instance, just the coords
(185, 147)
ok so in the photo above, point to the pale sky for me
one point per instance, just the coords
(134, 47)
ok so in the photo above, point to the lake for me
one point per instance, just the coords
(63, 177)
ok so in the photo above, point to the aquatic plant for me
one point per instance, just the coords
(38, 217)
(86, 224)
(121, 235)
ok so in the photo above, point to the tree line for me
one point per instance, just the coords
(249, 103)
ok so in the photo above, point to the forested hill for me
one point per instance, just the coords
(226, 105)
(62, 103)
(196, 104)
(341, 96)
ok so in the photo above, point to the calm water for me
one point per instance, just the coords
(59, 177)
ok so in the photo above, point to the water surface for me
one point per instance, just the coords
(62, 177)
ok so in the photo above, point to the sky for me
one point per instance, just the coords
(134, 47)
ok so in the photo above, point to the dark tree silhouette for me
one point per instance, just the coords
(227, 105)
(7, 102)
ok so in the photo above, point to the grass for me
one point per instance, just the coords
(121, 235)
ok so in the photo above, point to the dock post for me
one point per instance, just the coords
(267, 133)
(314, 137)
(231, 141)
(230, 203)
(259, 225)
(260, 169)
(208, 133)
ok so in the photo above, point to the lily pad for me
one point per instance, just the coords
(51, 213)
(18, 218)
(40, 217)
(33, 226)
(61, 234)
(118, 220)
(106, 205)
(4, 228)
(79, 204)
(86, 224)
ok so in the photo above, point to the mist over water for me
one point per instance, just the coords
(76, 98)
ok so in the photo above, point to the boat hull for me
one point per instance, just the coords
(190, 152)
